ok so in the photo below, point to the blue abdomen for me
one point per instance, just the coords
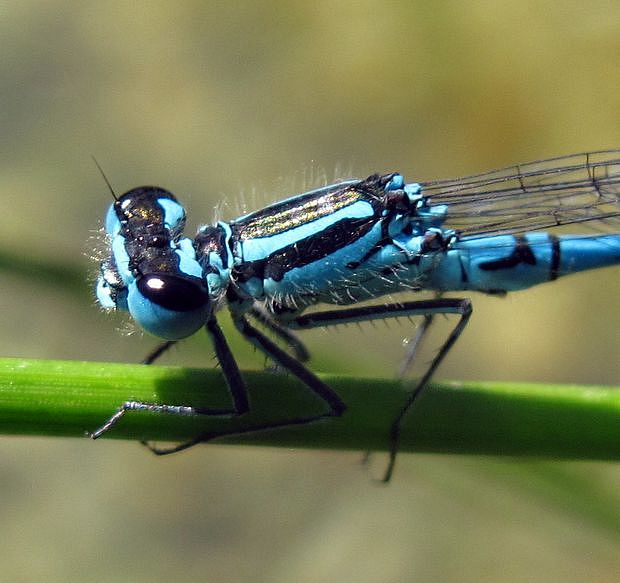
(513, 262)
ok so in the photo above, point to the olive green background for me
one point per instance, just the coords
(237, 104)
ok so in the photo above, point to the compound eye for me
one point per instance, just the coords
(178, 294)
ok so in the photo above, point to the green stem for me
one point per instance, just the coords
(71, 398)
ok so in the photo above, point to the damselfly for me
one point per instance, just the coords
(345, 243)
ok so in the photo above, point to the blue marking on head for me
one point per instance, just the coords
(112, 224)
(174, 215)
(111, 290)
(187, 258)
(121, 259)
(104, 295)
(110, 298)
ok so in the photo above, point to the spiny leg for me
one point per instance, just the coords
(294, 343)
(232, 375)
(149, 360)
(426, 308)
(465, 311)
(412, 350)
(406, 363)
(236, 387)
(414, 345)
(283, 359)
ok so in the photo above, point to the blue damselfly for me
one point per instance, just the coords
(345, 243)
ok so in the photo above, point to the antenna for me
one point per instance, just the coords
(104, 177)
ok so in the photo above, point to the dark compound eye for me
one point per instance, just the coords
(173, 293)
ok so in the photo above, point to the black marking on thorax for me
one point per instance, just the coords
(305, 251)
(287, 215)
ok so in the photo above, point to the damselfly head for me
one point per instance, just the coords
(151, 270)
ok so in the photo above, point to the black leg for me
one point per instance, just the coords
(232, 374)
(295, 345)
(414, 345)
(163, 347)
(238, 389)
(283, 359)
(426, 308)
(234, 380)
(206, 437)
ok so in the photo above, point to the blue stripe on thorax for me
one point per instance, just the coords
(256, 249)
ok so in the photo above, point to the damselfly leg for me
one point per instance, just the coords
(426, 308)
(336, 406)
(234, 381)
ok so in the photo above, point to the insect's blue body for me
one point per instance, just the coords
(349, 242)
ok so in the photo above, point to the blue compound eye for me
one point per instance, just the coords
(172, 292)
(169, 306)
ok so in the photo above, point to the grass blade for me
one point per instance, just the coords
(66, 398)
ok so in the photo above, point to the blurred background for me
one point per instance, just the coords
(234, 105)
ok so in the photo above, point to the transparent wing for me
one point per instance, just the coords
(571, 189)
